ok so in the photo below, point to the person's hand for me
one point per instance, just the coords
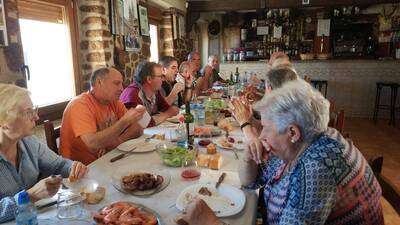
(172, 111)
(45, 188)
(257, 150)
(198, 213)
(78, 171)
(241, 110)
(178, 87)
(134, 114)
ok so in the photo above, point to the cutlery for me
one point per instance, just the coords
(122, 155)
(220, 179)
(235, 152)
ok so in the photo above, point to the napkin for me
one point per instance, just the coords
(145, 120)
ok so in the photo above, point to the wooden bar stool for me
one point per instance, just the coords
(320, 84)
(392, 106)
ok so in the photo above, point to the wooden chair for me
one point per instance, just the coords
(52, 134)
(388, 191)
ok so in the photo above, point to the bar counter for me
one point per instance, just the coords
(351, 83)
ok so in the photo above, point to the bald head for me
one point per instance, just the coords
(106, 84)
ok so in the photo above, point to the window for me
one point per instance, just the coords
(154, 43)
(47, 50)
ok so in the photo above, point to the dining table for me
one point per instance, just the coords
(163, 202)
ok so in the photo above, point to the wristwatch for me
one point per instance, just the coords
(244, 125)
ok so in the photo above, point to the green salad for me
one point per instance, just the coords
(176, 156)
(215, 104)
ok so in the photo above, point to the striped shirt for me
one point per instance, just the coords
(36, 161)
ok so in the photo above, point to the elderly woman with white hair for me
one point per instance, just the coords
(25, 163)
(310, 174)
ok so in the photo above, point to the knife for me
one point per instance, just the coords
(220, 179)
(122, 155)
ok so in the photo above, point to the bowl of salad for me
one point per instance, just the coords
(175, 156)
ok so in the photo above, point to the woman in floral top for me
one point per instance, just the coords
(310, 174)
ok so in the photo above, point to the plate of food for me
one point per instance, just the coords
(175, 119)
(230, 143)
(225, 201)
(207, 130)
(145, 143)
(141, 182)
(127, 213)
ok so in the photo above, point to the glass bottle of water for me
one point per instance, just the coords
(201, 115)
(26, 212)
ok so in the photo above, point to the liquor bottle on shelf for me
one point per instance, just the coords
(237, 75)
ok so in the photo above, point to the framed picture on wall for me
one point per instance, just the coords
(117, 16)
(3, 27)
(144, 21)
(132, 37)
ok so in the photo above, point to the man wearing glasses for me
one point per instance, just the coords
(145, 90)
(171, 88)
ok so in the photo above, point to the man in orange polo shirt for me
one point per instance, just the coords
(96, 121)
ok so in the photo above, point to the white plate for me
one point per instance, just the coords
(220, 201)
(117, 176)
(82, 185)
(174, 119)
(140, 144)
(235, 145)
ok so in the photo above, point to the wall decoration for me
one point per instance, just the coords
(144, 21)
(131, 26)
(181, 24)
(3, 27)
(117, 17)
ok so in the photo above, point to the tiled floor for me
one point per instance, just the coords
(380, 139)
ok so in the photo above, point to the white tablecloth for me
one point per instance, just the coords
(162, 202)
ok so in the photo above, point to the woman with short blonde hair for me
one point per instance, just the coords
(25, 163)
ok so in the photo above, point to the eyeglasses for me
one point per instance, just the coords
(29, 113)
(162, 76)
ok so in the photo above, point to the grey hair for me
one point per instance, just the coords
(184, 66)
(297, 103)
(191, 54)
(211, 57)
(279, 75)
(98, 73)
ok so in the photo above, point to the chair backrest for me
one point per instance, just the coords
(52, 134)
(388, 190)
(340, 121)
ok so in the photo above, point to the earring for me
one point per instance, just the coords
(293, 141)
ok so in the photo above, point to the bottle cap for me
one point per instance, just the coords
(23, 198)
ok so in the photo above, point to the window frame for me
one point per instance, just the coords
(55, 111)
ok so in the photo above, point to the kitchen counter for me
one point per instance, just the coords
(351, 83)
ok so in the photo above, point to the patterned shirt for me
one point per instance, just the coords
(36, 161)
(330, 183)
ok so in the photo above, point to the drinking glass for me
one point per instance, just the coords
(70, 206)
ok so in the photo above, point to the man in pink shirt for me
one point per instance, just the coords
(145, 90)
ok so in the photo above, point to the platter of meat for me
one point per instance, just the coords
(126, 213)
(225, 201)
(141, 183)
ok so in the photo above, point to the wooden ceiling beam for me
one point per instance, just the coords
(316, 3)
(223, 5)
(236, 5)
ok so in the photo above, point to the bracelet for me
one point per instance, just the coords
(190, 87)
(244, 125)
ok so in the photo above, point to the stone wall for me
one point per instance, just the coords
(11, 57)
(179, 47)
(98, 47)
